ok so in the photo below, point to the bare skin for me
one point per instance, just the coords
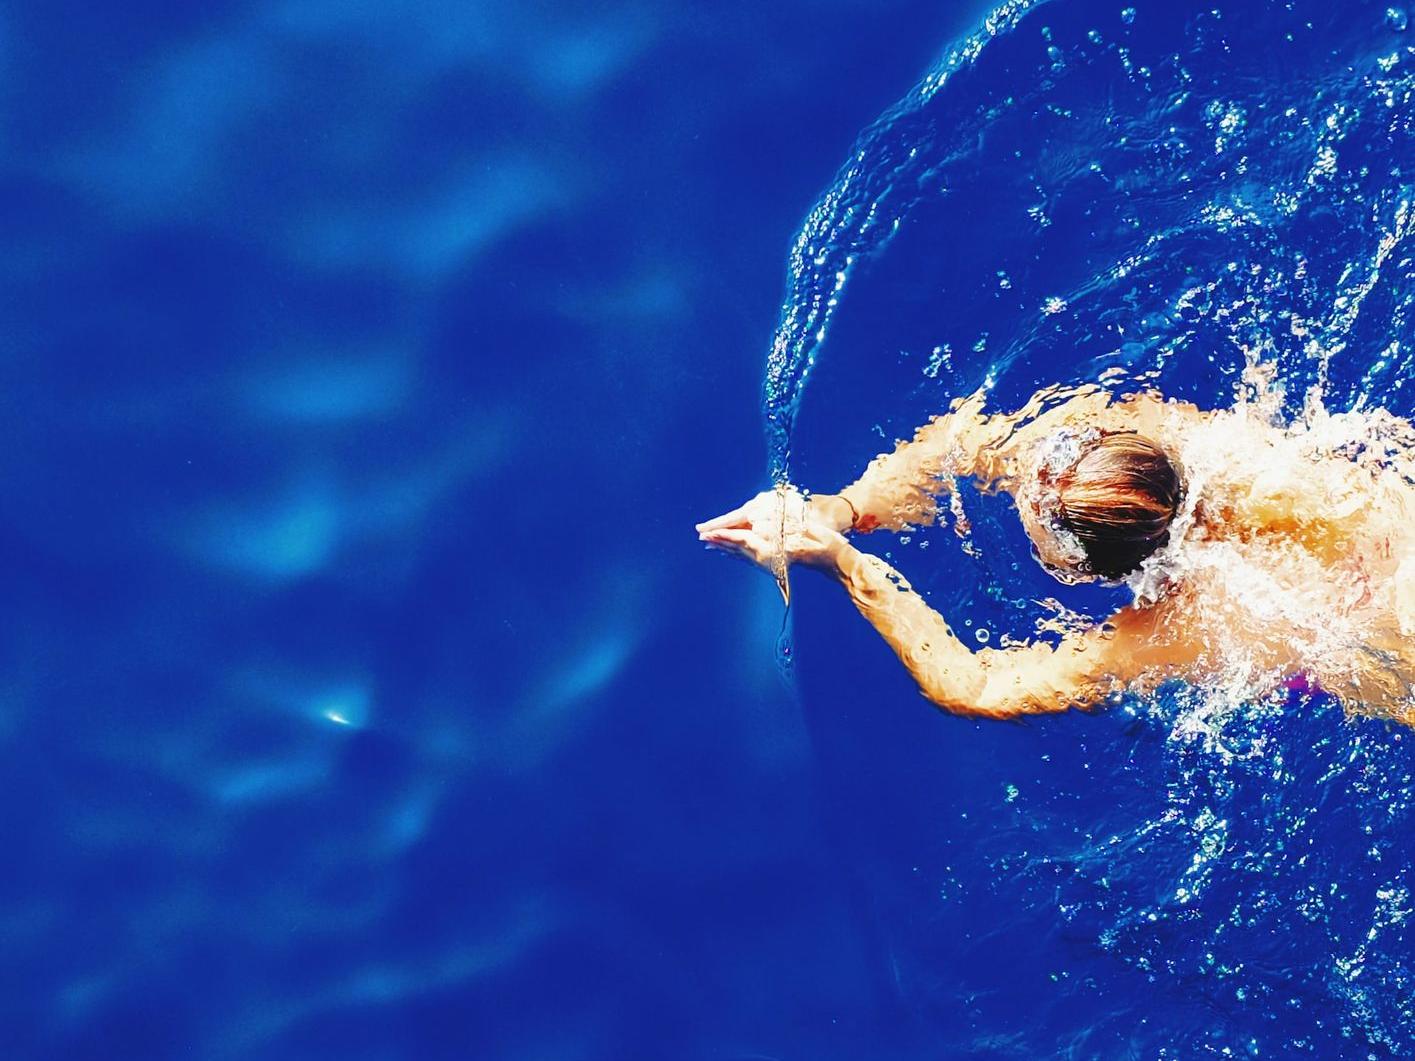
(1198, 625)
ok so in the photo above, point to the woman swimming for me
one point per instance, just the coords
(1260, 553)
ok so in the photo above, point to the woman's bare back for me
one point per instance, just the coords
(1297, 551)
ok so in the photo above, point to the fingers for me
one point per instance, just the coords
(736, 518)
(741, 541)
(739, 537)
(743, 515)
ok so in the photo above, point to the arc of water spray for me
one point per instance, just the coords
(854, 220)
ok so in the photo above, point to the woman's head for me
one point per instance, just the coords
(1103, 512)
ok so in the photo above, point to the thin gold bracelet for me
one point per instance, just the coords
(854, 516)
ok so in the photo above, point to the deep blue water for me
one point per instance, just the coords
(367, 694)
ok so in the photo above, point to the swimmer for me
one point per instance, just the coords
(1261, 555)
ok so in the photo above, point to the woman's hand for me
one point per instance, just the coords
(831, 510)
(777, 524)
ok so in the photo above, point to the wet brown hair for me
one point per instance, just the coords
(1118, 500)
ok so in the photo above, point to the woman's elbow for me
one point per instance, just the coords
(954, 689)
(1006, 696)
(979, 705)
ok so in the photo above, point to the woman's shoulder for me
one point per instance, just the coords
(1055, 415)
(1150, 412)
(1147, 412)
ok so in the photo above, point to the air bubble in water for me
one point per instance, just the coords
(1128, 15)
(938, 358)
(1396, 19)
(983, 636)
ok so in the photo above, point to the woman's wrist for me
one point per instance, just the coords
(835, 510)
(837, 561)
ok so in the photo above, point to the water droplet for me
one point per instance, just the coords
(1396, 19)
(1128, 15)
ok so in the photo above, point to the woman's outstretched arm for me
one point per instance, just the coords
(900, 489)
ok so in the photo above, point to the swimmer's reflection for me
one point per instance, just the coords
(1261, 554)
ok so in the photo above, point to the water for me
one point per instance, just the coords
(1177, 196)
(366, 694)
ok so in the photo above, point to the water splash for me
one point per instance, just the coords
(891, 167)
(1215, 203)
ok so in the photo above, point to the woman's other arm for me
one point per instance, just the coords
(1081, 671)
(900, 489)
